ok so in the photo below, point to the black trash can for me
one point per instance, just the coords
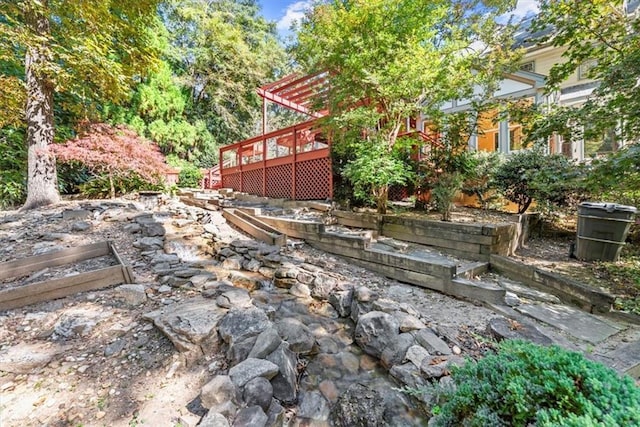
(602, 230)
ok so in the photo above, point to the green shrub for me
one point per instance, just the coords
(616, 178)
(526, 384)
(99, 187)
(190, 176)
(551, 179)
(13, 167)
(478, 181)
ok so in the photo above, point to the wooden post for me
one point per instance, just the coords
(330, 169)
(293, 168)
(264, 165)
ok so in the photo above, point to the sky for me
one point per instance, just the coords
(285, 12)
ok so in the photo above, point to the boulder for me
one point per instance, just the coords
(258, 392)
(213, 419)
(132, 295)
(322, 286)
(375, 330)
(251, 368)
(396, 350)
(149, 243)
(266, 343)
(26, 358)
(298, 336)
(252, 416)
(218, 391)
(190, 325)
(240, 323)
(432, 343)
(313, 407)
(341, 301)
(285, 383)
(234, 298)
(358, 406)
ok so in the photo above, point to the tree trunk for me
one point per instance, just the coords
(382, 195)
(42, 182)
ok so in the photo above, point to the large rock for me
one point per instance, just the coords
(501, 328)
(298, 336)
(251, 368)
(375, 330)
(396, 350)
(149, 243)
(408, 374)
(234, 298)
(242, 323)
(132, 295)
(218, 391)
(275, 414)
(190, 325)
(314, 407)
(258, 391)
(213, 419)
(26, 358)
(322, 286)
(266, 343)
(341, 300)
(252, 416)
(358, 406)
(432, 343)
(285, 383)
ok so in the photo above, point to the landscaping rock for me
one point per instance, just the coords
(374, 330)
(266, 342)
(132, 295)
(431, 342)
(28, 358)
(218, 391)
(396, 350)
(252, 416)
(258, 392)
(239, 323)
(285, 383)
(502, 328)
(251, 368)
(213, 419)
(298, 336)
(341, 301)
(190, 325)
(358, 406)
(313, 406)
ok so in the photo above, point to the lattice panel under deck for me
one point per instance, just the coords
(252, 182)
(313, 179)
(231, 181)
(398, 193)
(279, 181)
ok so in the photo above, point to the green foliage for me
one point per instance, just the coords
(603, 33)
(551, 179)
(388, 60)
(373, 170)
(444, 191)
(190, 176)
(616, 178)
(526, 384)
(101, 186)
(221, 51)
(13, 167)
(478, 181)
(96, 49)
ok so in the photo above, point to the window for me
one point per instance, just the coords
(528, 66)
(585, 68)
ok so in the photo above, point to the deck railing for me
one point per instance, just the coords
(292, 163)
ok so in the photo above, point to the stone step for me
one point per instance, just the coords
(574, 322)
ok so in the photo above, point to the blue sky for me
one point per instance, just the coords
(284, 12)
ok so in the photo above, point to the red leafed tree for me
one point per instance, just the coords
(114, 151)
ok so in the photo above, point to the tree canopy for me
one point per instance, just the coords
(602, 37)
(388, 60)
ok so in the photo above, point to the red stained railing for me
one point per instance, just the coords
(291, 163)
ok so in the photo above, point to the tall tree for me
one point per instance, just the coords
(222, 51)
(88, 50)
(388, 60)
(602, 37)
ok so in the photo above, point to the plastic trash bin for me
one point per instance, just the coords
(602, 229)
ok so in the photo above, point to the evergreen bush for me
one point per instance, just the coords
(524, 384)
